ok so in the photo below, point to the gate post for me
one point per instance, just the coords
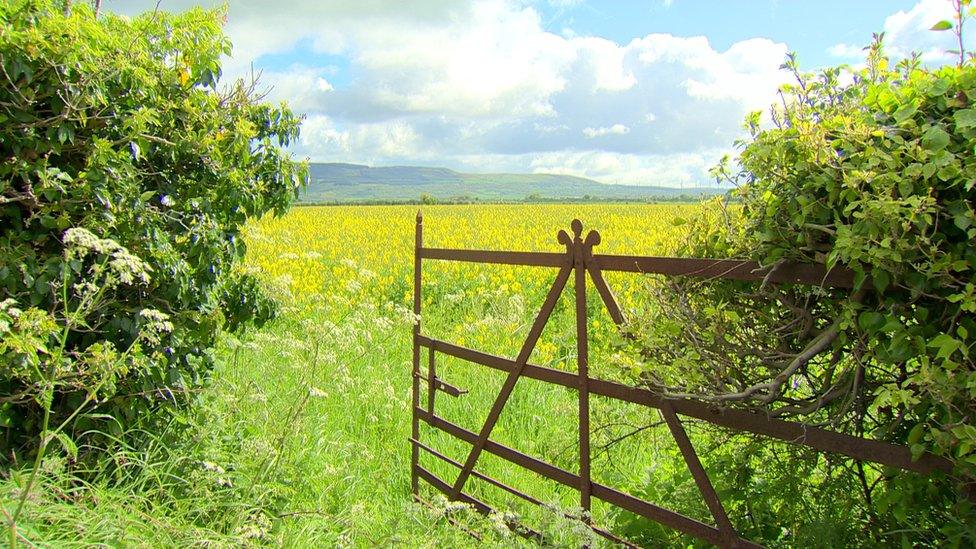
(580, 254)
(415, 427)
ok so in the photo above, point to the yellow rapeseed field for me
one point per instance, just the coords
(342, 257)
(342, 343)
(314, 250)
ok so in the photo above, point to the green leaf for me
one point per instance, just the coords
(69, 445)
(870, 321)
(941, 26)
(935, 138)
(937, 87)
(946, 345)
(144, 197)
(905, 112)
(6, 415)
(880, 279)
(65, 133)
(965, 118)
(963, 221)
(905, 188)
(916, 433)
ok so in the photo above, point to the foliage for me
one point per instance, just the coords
(873, 170)
(125, 179)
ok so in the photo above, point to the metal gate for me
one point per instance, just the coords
(578, 261)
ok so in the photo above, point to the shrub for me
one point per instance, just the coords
(126, 174)
(873, 170)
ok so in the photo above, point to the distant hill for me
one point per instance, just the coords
(335, 182)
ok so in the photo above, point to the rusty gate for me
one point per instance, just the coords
(578, 261)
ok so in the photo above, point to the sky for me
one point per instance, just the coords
(634, 92)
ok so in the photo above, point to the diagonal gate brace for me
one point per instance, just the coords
(520, 362)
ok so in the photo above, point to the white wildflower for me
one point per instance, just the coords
(128, 267)
(212, 467)
(256, 528)
(155, 323)
(9, 307)
(500, 522)
(84, 288)
(82, 238)
(407, 316)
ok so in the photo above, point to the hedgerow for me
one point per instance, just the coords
(126, 174)
(873, 170)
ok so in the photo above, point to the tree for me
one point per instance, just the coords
(873, 170)
(126, 174)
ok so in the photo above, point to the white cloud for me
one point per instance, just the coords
(605, 60)
(908, 32)
(302, 87)
(846, 51)
(616, 129)
(672, 170)
(322, 137)
(482, 85)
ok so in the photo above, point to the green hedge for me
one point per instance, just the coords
(126, 173)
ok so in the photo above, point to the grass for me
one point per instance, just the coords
(301, 439)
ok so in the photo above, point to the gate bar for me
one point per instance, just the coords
(580, 253)
(876, 451)
(811, 274)
(506, 390)
(610, 495)
(697, 471)
(516, 492)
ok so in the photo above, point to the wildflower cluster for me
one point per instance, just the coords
(120, 263)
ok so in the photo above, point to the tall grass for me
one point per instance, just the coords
(302, 438)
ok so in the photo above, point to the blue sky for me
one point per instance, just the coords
(633, 92)
(809, 27)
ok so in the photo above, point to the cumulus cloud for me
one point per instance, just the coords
(616, 129)
(671, 170)
(846, 51)
(482, 85)
(908, 32)
(322, 137)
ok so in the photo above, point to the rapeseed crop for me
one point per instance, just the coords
(314, 250)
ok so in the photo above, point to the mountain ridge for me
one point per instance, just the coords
(346, 182)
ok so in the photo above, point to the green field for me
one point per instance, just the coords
(301, 439)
